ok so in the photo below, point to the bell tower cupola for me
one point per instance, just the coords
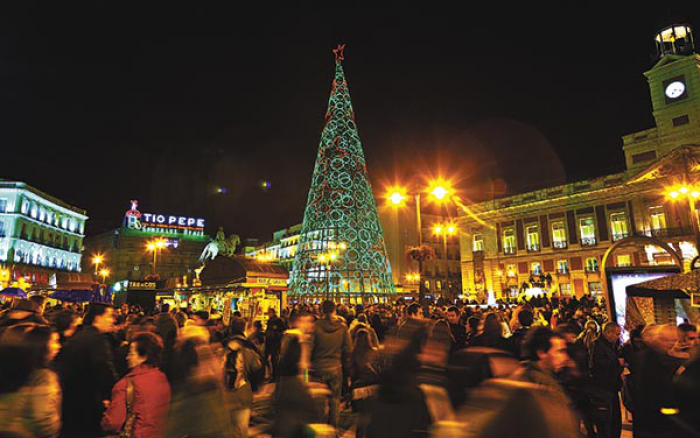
(676, 39)
(674, 85)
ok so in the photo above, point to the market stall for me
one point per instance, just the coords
(230, 284)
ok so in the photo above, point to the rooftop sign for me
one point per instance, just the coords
(154, 223)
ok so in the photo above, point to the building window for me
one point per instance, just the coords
(591, 264)
(680, 120)
(587, 231)
(644, 156)
(509, 241)
(624, 260)
(511, 271)
(559, 235)
(658, 219)
(595, 288)
(3, 205)
(565, 289)
(618, 226)
(2, 229)
(478, 243)
(536, 268)
(427, 284)
(438, 285)
(562, 267)
(533, 238)
(25, 207)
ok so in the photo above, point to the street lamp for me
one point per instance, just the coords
(445, 230)
(97, 259)
(155, 246)
(440, 191)
(104, 273)
(691, 193)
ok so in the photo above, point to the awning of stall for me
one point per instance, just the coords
(677, 286)
(232, 272)
(74, 281)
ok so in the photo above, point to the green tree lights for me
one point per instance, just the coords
(341, 247)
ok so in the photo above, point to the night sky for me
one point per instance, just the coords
(103, 102)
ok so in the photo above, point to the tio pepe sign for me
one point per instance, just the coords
(181, 221)
(136, 220)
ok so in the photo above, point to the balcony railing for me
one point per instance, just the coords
(533, 247)
(559, 244)
(591, 269)
(563, 271)
(588, 241)
(509, 250)
(619, 236)
(672, 232)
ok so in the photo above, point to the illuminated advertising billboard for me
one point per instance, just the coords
(162, 224)
(620, 278)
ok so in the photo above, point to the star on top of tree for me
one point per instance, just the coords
(339, 53)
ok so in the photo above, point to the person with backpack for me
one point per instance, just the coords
(244, 374)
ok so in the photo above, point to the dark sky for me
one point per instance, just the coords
(103, 102)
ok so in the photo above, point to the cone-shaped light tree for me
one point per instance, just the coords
(341, 250)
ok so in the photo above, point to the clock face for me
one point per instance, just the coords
(675, 89)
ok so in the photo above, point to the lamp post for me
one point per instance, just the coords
(155, 246)
(104, 273)
(690, 192)
(439, 191)
(97, 260)
(445, 230)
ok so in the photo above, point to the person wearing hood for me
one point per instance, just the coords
(330, 356)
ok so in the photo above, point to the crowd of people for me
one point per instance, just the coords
(539, 368)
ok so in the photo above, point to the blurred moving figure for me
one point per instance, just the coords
(688, 340)
(607, 376)
(654, 371)
(491, 335)
(87, 373)
(30, 395)
(330, 356)
(140, 400)
(365, 378)
(400, 409)
(294, 407)
(198, 408)
(686, 388)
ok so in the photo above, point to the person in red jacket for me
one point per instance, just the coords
(151, 391)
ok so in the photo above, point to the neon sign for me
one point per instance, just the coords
(155, 223)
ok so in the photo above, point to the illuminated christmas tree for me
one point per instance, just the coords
(341, 249)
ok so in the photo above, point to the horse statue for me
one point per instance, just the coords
(220, 246)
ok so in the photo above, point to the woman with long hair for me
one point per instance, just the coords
(491, 335)
(140, 400)
(29, 406)
(588, 336)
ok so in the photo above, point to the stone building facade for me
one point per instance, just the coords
(556, 237)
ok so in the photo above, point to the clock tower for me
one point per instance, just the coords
(674, 83)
